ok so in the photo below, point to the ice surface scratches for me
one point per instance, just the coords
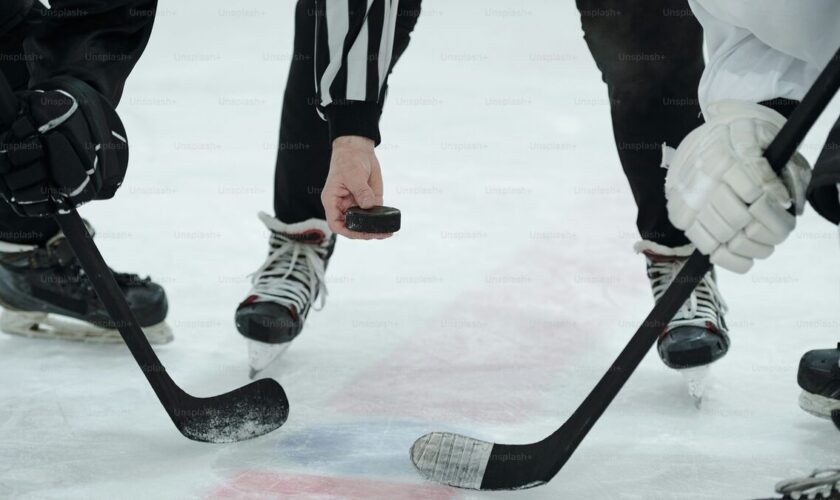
(230, 425)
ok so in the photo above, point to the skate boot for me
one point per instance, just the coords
(284, 288)
(697, 336)
(819, 378)
(46, 294)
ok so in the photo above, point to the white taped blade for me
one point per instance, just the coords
(452, 459)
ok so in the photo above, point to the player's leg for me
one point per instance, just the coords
(41, 281)
(823, 190)
(651, 57)
(819, 370)
(292, 278)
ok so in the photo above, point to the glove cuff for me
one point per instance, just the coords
(730, 110)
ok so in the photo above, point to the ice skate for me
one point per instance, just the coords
(45, 294)
(819, 378)
(697, 336)
(284, 288)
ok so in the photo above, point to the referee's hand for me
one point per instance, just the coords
(355, 180)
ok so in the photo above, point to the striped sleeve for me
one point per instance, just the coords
(353, 51)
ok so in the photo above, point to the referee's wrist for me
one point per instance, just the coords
(354, 141)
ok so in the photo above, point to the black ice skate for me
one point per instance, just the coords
(45, 293)
(819, 378)
(284, 288)
(697, 336)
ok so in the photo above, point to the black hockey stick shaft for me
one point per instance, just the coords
(118, 309)
(247, 412)
(778, 154)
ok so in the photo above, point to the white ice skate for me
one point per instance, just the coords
(284, 288)
(697, 336)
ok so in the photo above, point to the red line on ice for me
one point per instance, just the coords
(249, 485)
(501, 340)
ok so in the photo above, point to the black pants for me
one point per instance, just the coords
(650, 55)
(823, 192)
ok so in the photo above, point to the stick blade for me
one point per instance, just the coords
(452, 459)
(246, 413)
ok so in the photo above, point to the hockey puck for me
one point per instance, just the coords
(379, 220)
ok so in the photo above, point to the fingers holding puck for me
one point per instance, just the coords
(376, 220)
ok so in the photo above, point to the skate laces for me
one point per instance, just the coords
(293, 273)
(821, 484)
(705, 305)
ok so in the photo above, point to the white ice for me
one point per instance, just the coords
(507, 294)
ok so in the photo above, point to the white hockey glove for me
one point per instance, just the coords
(722, 192)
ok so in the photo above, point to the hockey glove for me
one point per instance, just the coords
(66, 147)
(722, 191)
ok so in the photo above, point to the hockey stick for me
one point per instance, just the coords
(465, 462)
(248, 412)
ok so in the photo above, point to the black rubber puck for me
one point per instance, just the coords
(379, 220)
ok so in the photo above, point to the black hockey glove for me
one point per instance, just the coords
(66, 147)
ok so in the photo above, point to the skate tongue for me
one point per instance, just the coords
(312, 231)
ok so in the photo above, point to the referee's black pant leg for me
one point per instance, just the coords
(650, 55)
(303, 157)
(14, 228)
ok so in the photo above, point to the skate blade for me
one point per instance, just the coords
(262, 355)
(52, 327)
(818, 406)
(696, 380)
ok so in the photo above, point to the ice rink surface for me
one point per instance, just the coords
(508, 293)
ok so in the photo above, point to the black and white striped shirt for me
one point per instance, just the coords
(353, 52)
